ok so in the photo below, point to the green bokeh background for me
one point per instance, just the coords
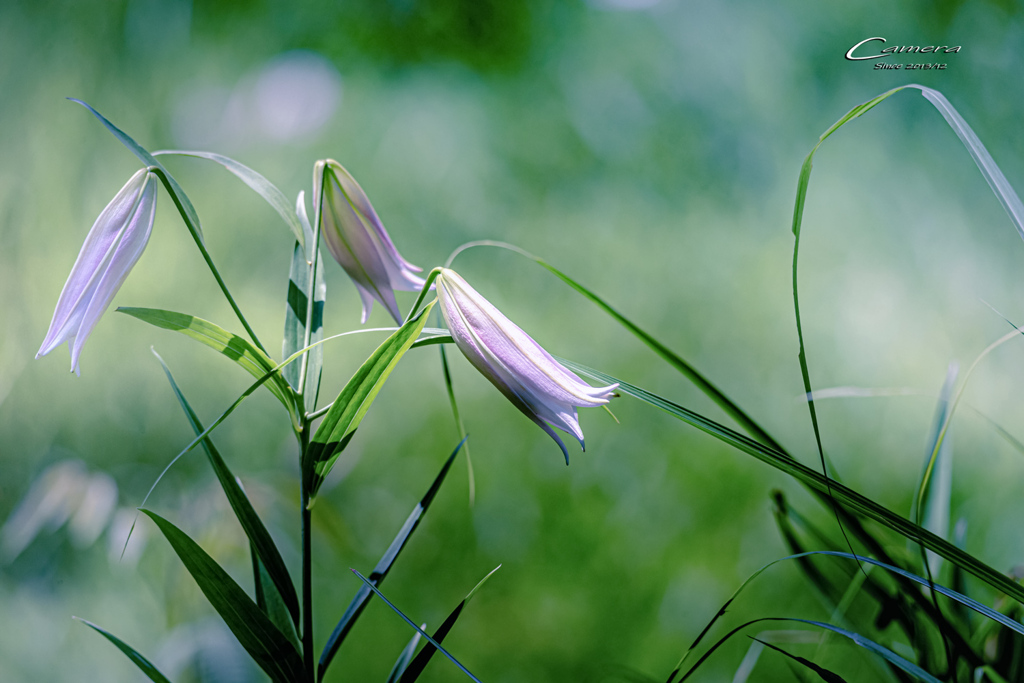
(649, 149)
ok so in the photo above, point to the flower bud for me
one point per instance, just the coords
(112, 247)
(539, 386)
(358, 241)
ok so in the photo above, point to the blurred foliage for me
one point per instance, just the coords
(649, 149)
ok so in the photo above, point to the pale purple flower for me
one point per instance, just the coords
(111, 249)
(358, 241)
(538, 385)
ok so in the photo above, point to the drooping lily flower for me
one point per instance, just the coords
(358, 241)
(111, 249)
(538, 385)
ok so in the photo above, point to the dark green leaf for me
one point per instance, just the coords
(416, 628)
(254, 529)
(268, 647)
(380, 572)
(269, 599)
(140, 661)
(845, 496)
(355, 399)
(256, 181)
(250, 358)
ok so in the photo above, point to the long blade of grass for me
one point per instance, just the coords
(847, 497)
(380, 572)
(254, 180)
(144, 664)
(268, 647)
(419, 630)
(257, 533)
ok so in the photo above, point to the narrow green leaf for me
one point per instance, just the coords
(823, 673)
(423, 658)
(144, 664)
(259, 537)
(296, 313)
(355, 399)
(254, 180)
(403, 660)
(417, 628)
(845, 496)
(268, 647)
(380, 572)
(238, 349)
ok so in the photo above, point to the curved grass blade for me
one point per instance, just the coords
(184, 206)
(419, 630)
(403, 659)
(380, 572)
(144, 664)
(250, 358)
(355, 399)
(423, 658)
(847, 497)
(263, 546)
(989, 169)
(268, 647)
(254, 180)
(823, 673)
(890, 656)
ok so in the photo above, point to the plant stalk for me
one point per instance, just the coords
(308, 656)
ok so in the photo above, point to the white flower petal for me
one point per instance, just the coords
(538, 385)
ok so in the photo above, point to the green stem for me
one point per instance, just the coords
(314, 261)
(193, 229)
(308, 656)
